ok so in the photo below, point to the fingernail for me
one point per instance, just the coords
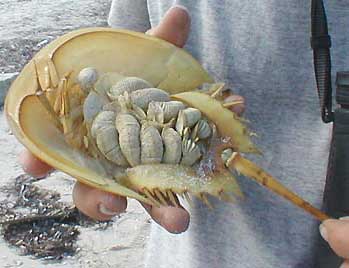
(323, 232)
(181, 7)
(179, 19)
(346, 218)
(106, 211)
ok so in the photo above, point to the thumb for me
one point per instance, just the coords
(174, 27)
(336, 233)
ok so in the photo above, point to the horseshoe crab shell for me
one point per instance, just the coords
(56, 67)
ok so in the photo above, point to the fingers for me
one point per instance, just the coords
(33, 166)
(97, 204)
(345, 264)
(174, 219)
(101, 205)
(174, 27)
(336, 233)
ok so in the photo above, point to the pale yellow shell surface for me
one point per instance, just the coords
(44, 108)
(127, 54)
(107, 50)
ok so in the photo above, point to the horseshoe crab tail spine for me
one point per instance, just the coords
(251, 170)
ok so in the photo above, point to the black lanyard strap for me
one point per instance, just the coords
(321, 43)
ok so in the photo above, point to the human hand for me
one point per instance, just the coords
(101, 205)
(336, 233)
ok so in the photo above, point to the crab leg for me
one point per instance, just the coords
(188, 199)
(232, 103)
(151, 198)
(172, 198)
(204, 199)
(251, 170)
(45, 102)
(218, 88)
(160, 197)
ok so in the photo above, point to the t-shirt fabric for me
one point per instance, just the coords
(261, 50)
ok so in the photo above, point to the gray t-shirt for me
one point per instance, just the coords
(261, 48)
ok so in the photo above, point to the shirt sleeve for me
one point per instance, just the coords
(131, 15)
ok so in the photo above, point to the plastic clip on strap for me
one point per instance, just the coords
(321, 43)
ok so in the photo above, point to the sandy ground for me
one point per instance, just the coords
(26, 26)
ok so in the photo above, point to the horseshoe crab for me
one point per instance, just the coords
(150, 137)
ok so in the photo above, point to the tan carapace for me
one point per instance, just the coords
(136, 116)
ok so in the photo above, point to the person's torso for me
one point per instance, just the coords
(261, 49)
